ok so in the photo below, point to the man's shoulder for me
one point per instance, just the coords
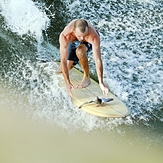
(71, 23)
(94, 38)
(94, 33)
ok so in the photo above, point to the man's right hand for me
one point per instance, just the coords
(69, 87)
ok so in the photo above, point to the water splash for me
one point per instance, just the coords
(24, 17)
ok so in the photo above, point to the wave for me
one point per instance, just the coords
(131, 46)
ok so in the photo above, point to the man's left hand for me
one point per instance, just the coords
(104, 89)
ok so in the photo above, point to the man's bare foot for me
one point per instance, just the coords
(59, 71)
(84, 83)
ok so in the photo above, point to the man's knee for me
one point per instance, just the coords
(81, 51)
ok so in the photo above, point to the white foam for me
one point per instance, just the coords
(24, 17)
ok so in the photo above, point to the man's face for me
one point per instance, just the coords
(79, 35)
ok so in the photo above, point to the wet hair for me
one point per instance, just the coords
(81, 24)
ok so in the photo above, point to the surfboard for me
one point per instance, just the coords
(85, 98)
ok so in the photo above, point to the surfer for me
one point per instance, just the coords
(77, 39)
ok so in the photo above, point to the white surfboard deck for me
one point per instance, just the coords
(113, 109)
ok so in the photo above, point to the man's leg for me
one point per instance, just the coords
(69, 66)
(72, 58)
(81, 54)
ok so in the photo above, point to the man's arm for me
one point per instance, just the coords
(99, 65)
(64, 55)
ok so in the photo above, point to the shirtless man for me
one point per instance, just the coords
(77, 38)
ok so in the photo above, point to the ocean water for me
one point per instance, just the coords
(131, 33)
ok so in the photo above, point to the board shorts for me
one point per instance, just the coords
(72, 50)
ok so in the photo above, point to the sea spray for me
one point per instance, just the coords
(24, 17)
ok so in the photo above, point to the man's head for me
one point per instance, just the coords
(80, 29)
